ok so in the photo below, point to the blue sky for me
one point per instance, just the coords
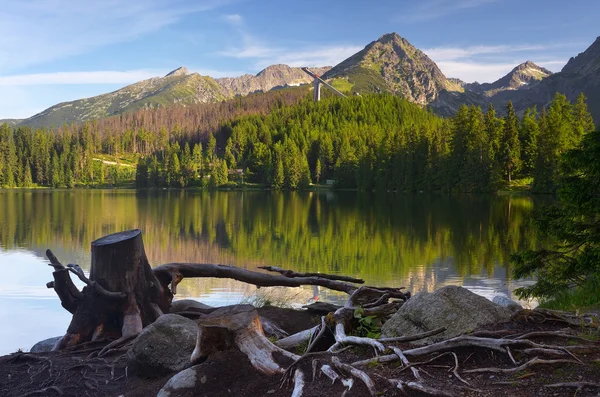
(59, 50)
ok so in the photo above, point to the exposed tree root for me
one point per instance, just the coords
(412, 338)
(298, 383)
(44, 392)
(318, 336)
(530, 363)
(408, 388)
(356, 373)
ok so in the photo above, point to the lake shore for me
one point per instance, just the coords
(74, 373)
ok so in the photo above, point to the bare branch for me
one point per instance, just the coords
(293, 274)
(97, 287)
(171, 271)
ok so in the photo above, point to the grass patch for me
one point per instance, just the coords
(342, 85)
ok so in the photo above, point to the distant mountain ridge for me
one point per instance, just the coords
(390, 64)
(274, 76)
(580, 75)
(521, 77)
(178, 87)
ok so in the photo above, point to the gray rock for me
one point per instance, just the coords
(45, 345)
(184, 383)
(184, 305)
(164, 346)
(510, 304)
(456, 308)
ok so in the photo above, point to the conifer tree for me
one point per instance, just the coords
(510, 147)
(529, 141)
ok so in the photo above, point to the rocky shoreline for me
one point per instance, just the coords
(485, 349)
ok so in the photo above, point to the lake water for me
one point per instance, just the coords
(421, 242)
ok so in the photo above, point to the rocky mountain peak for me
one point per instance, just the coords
(274, 68)
(531, 68)
(180, 71)
(586, 62)
(393, 64)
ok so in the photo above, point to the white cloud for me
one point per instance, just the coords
(95, 77)
(36, 31)
(452, 53)
(102, 77)
(234, 19)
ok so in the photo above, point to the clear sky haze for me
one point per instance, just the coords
(60, 50)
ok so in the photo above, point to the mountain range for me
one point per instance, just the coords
(390, 64)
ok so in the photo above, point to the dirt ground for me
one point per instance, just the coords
(229, 373)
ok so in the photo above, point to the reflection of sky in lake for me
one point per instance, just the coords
(30, 312)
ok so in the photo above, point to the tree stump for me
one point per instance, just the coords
(239, 327)
(122, 294)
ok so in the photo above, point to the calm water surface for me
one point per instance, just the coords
(421, 242)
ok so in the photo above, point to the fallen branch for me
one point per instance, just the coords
(293, 274)
(173, 273)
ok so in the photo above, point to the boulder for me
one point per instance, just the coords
(45, 345)
(164, 346)
(185, 305)
(456, 308)
(510, 304)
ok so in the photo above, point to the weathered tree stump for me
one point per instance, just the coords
(122, 294)
(239, 327)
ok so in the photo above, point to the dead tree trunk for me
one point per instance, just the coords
(122, 294)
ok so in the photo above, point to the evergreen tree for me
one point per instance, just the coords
(529, 141)
(27, 179)
(582, 119)
(510, 147)
(141, 173)
(575, 227)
